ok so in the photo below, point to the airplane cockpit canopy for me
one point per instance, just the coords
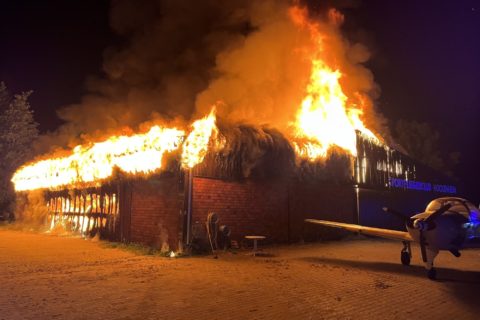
(459, 205)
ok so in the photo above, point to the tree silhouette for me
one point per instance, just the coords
(18, 130)
(422, 142)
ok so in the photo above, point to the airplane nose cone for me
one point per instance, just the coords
(420, 225)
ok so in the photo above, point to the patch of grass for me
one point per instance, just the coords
(136, 248)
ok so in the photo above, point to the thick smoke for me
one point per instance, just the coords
(167, 59)
(263, 78)
(182, 56)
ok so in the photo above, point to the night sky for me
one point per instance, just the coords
(426, 60)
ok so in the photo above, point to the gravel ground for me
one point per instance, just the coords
(52, 277)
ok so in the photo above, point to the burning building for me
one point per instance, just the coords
(296, 137)
(254, 182)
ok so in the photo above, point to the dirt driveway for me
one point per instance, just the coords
(51, 277)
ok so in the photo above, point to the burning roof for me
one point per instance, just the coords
(140, 153)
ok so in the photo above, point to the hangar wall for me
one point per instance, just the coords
(156, 212)
(273, 208)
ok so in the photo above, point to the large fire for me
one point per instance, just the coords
(140, 153)
(196, 145)
(326, 117)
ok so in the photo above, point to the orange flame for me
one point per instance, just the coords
(196, 145)
(140, 153)
(326, 118)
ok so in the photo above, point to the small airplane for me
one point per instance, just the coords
(448, 223)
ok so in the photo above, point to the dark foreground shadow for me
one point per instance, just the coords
(443, 274)
(463, 285)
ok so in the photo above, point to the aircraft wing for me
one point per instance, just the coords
(378, 232)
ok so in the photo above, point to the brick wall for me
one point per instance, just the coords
(276, 208)
(155, 212)
(247, 207)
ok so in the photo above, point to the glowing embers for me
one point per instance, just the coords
(327, 117)
(85, 213)
(140, 153)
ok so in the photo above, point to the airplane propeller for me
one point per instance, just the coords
(421, 224)
(428, 224)
(438, 213)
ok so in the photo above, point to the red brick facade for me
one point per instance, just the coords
(156, 207)
(246, 207)
(274, 208)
